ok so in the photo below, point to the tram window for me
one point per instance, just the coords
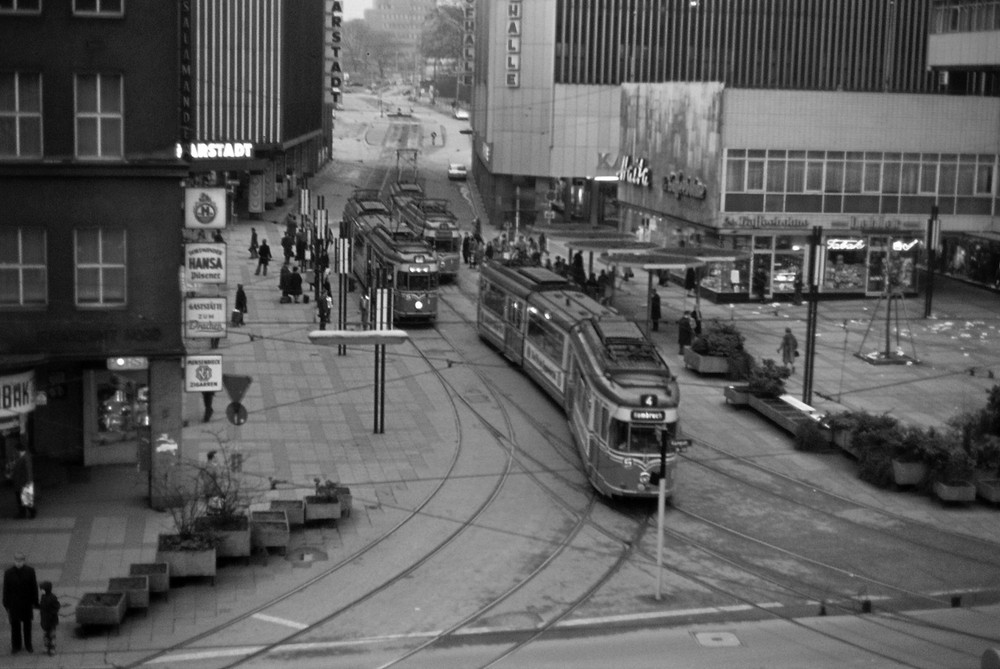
(417, 281)
(634, 438)
(604, 423)
(492, 298)
(515, 314)
(548, 338)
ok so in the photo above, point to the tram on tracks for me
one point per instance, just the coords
(618, 394)
(432, 220)
(394, 259)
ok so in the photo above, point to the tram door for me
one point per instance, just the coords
(514, 329)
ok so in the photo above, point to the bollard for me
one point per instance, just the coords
(991, 659)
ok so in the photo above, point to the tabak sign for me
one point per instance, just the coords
(204, 317)
(17, 394)
(204, 208)
(205, 262)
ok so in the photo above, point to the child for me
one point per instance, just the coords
(48, 609)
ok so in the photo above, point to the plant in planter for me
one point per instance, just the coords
(987, 455)
(768, 379)
(950, 469)
(324, 504)
(910, 454)
(812, 436)
(710, 353)
(227, 499)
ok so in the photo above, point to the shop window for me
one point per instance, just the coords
(100, 267)
(755, 175)
(20, 6)
(853, 176)
(947, 178)
(814, 176)
(23, 268)
(104, 8)
(20, 114)
(99, 116)
(845, 264)
(890, 178)
(873, 177)
(834, 177)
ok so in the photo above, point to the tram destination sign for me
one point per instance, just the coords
(648, 415)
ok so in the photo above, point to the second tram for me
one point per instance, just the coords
(618, 394)
(398, 261)
(431, 219)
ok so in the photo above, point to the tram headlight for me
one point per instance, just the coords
(418, 305)
(644, 479)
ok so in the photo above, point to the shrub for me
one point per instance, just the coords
(915, 444)
(876, 439)
(768, 379)
(949, 461)
(810, 436)
(719, 339)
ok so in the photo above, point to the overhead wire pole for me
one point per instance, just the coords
(815, 275)
(342, 265)
(933, 239)
(382, 316)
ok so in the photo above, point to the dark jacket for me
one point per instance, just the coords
(264, 253)
(241, 301)
(294, 284)
(685, 331)
(20, 591)
(654, 307)
(48, 611)
(22, 472)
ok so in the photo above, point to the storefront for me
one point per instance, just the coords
(971, 256)
(17, 403)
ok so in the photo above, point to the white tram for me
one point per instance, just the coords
(433, 221)
(618, 394)
(398, 260)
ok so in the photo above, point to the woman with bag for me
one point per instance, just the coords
(789, 349)
(23, 477)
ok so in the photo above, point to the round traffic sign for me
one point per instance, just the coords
(236, 413)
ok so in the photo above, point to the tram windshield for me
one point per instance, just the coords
(449, 245)
(636, 437)
(407, 281)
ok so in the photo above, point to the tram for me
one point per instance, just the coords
(618, 394)
(398, 260)
(431, 219)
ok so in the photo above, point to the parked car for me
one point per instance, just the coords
(457, 172)
(461, 115)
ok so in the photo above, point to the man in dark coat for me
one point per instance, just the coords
(263, 257)
(20, 598)
(654, 311)
(295, 284)
(685, 331)
(22, 473)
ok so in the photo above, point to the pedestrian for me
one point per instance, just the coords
(543, 243)
(263, 257)
(690, 280)
(288, 247)
(48, 616)
(240, 307)
(286, 272)
(696, 317)
(654, 310)
(301, 243)
(466, 248)
(20, 598)
(253, 243)
(797, 287)
(295, 284)
(789, 350)
(685, 332)
(22, 478)
(217, 237)
(206, 399)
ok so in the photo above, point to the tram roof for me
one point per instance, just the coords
(624, 347)
(525, 279)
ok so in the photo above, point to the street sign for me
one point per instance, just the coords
(236, 413)
(202, 373)
(236, 385)
(550, 214)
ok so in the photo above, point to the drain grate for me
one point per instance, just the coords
(717, 639)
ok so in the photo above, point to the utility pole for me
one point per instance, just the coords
(815, 276)
(933, 239)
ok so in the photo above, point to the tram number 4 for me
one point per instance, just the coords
(647, 400)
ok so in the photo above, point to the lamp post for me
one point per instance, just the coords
(815, 273)
(933, 240)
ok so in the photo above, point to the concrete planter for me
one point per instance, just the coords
(908, 473)
(156, 573)
(988, 490)
(269, 529)
(136, 589)
(961, 492)
(842, 439)
(705, 364)
(295, 509)
(738, 395)
(101, 608)
(232, 537)
(783, 415)
(321, 509)
(186, 561)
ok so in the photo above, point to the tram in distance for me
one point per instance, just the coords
(398, 260)
(432, 220)
(618, 394)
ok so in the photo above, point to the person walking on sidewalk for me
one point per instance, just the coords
(206, 399)
(789, 350)
(48, 616)
(254, 245)
(263, 257)
(685, 332)
(20, 598)
(240, 307)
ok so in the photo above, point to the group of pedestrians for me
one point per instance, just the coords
(21, 598)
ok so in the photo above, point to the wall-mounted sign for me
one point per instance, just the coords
(17, 394)
(845, 244)
(203, 373)
(205, 317)
(200, 150)
(205, 262)
(680, 186)
(335, 10)
(900, 246)
(762, 222)
(204, 208)
(126, 363)
(635, 172)
(468, 42)
(512, 35)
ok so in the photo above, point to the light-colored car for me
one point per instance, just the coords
(457, 172)
(461, 115)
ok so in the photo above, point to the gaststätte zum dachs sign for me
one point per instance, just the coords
(205, 317)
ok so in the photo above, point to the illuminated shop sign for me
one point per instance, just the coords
(634, 172)
(17, 394)
(902, 247)
(513, 31)
(468, 42)
(204, 208)
(335, 10)
(845, 244)
(762, 222)
(649, 416)
(198, 150)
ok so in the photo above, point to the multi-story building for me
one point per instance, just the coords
(108, 108)
(742, 125)
(404, 21)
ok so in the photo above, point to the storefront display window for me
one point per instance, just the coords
(846, 259)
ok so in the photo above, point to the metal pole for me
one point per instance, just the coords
(376, 306)
(661, 512)
(932, 242)
(811, 314)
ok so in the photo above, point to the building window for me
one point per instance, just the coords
(23, 272)
(99, 119)
(108, 8)
(20, 114)
(20, 6)
(100, 267)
